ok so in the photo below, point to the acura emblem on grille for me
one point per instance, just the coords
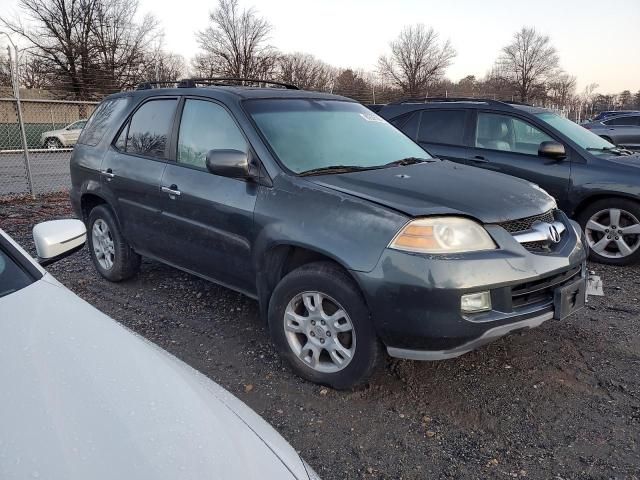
(554, 234)
(542, 232)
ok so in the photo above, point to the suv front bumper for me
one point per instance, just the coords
(415, 299)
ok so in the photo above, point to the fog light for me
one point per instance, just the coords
(475, 302)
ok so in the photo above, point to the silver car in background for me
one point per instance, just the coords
(621, 130)
(64, 137)
(83, 397)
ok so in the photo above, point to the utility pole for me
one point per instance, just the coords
(16, 92)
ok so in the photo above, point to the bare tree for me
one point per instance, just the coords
(305, 71)
(163, 66)
(235, 44)
(120, 43)
(417, 59)
(34, 72)
(89, 47)
(495, 85)
(352, 83)
(561, 89)
(528, 61)
(626, 99)
(5, 68)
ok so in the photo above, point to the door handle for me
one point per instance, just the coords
(108, 173)
(172, 190)
(479, 159)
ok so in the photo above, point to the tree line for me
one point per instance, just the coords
(84, 49)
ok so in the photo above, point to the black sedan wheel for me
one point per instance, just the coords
(612, 230)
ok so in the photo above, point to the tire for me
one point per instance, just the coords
(338, 291)
(112, 256)
(613, 246)
(52, 143)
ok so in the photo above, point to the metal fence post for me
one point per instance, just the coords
(25, 146)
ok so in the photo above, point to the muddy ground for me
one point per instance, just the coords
(561, 401)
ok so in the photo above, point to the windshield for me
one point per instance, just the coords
(12, 276)
(308, 134)
(580, 135)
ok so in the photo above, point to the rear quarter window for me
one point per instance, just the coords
(101, 120)
(442, 126)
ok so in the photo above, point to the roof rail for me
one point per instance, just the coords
(236, 81)
(215, 81)
(453, 100)
(153, 84)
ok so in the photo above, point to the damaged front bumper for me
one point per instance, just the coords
(415, 300)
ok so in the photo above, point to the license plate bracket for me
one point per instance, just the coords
(569, 298)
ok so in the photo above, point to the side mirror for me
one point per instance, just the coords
(552, 150)
(57, 239)
(229, 163)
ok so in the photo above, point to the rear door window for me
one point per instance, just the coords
(101, 120)
(147, 132)
(442, 126)
(623, 121)
(206, 126)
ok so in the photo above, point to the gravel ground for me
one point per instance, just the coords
(561, 401)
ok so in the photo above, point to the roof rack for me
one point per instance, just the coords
(217, 82)
(455, 100)
(152, 84)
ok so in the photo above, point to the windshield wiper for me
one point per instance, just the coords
(359, 168)
(407, 161)
(618, 151)
(335, 169)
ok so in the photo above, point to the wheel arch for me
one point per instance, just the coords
(591, 199)
(91, 199)
(278, 260)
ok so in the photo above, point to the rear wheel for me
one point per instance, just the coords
(612, 230)
(321, 325)
(52, 143)
(112, 256)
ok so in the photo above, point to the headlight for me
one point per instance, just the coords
(442, 235)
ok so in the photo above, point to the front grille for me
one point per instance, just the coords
(537, 246)
(524, 224)
(540, 290)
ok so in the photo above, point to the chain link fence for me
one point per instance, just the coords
(49, 128)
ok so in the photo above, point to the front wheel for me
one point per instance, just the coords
(52, 143)
(612, 230)
(321, 325)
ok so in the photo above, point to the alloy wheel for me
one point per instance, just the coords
(102, 242)
(320, 332)
(613, 233)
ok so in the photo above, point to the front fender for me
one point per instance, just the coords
(352, 231)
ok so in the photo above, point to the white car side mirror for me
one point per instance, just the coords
(57, 239)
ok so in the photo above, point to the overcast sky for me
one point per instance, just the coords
(597, 40)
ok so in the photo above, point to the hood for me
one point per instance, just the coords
(83, 397)
(444, 187)
(50, 133)
(628, 160)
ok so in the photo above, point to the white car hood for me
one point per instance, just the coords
(84, 398)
